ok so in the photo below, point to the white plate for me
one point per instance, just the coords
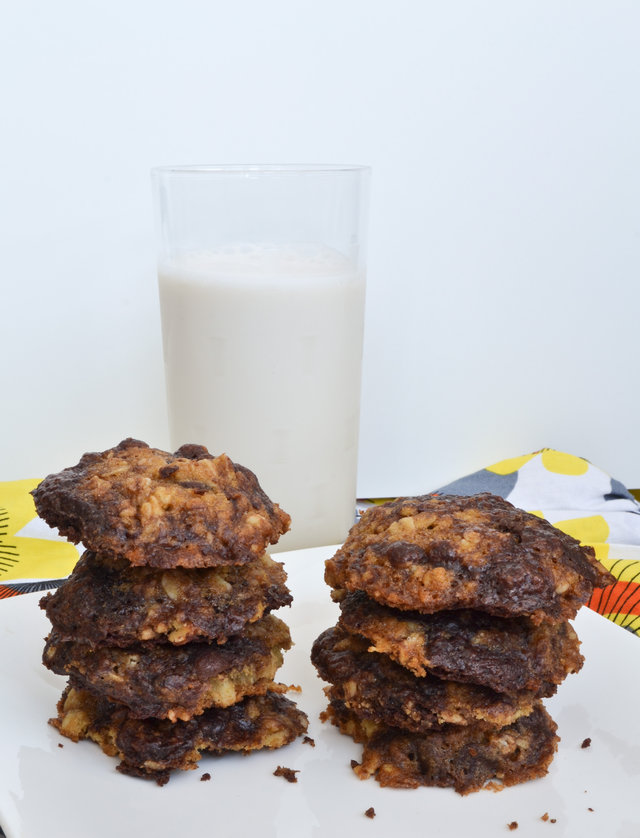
(74, 791)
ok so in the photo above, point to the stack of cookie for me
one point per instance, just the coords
(164, 628)
(453, 628)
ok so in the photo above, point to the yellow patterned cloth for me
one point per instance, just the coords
(32, 556)
(568, 491)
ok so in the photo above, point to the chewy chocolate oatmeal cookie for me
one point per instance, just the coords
(376, 688)
(465, 758)
(175, 682)
(507, 654)
(433, 553)
(109, 602)
(153, 748)
(188, 509)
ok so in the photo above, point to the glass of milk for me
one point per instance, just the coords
(261, 274)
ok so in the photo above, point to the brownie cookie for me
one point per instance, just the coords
(188, 509)
(507, 654)
(465, 758)
(108, 601)
(153, 748)
(375, 687)
(175, 682)
(433, 553)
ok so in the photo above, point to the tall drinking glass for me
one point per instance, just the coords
(262, 288)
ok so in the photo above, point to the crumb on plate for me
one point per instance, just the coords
(289, 774)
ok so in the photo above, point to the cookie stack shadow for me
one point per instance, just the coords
(453, 628)
(165, 628)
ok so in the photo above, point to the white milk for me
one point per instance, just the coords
(263, 349)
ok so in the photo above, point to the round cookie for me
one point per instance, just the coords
(175, 682)
(465, 758)
(153, 748)
(106, 601)
(507, 654)
(433, 553)
(376, 688)
(188, 509)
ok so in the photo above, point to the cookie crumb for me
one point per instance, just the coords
(586, 742)
(288, 773)
(513, 825)
(371, 812)
(206, 776)
(309, 741)
(552, 820)
(545, 817)
(60, 745)
(589, 809)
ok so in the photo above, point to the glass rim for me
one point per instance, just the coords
(240, 169)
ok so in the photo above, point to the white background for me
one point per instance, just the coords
(504, 136)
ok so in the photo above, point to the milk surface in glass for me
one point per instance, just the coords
(263, 350)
